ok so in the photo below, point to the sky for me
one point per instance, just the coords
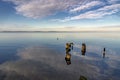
(59, 15)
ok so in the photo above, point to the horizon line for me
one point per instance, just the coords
(56, 31)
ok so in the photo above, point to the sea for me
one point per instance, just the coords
(41, 56)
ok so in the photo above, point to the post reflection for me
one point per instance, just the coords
(68, 58)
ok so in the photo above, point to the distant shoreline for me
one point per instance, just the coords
(56, 31)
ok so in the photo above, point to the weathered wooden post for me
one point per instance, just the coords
(68, 47)
(104, 52)
(68, 55)
(83, 50)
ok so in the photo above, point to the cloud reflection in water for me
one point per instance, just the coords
(43, 63)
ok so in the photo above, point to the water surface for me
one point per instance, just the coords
(41, 56)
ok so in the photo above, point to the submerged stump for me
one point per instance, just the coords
(83, 78)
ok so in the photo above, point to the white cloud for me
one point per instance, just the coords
(113, 1)
(42, 8)
(86, 6)
(99, 13)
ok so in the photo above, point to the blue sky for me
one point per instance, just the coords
(59, 14)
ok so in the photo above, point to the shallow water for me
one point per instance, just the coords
(40, 56)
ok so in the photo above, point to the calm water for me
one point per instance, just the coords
(40, 56)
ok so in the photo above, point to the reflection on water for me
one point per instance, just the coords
(68, 58)
(69, 47)
(40, 56)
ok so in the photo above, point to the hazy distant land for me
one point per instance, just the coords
(53, 31)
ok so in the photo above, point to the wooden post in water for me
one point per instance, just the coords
(83, 50)
(104, 52)
(68, 49)
(68, 55)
